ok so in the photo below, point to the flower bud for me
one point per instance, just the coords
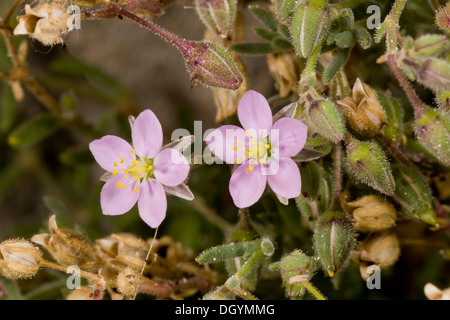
(433, 73)
(433, 131)
(128, 281)
(346, 19)
(267, 247)
(210, 64)
(309, 24)
(344, 39)
(333, 241)
(363, 110)
(431, 45)
(217, 15)
(413, 194)
(363, 37)
(443, 100)
(283, 9)
(19, 259)
(322, 117)
(372, 213)
(443, 18)
(367, 162)
(381, 249)
(293, 268)
(67, 247)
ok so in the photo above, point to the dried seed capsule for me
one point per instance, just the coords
(322, 117)
(433, 131)
(333, 241)
(309, 24)
(217, 15)
(372, 213)
(413, 194)
(443, 18)
(67, 247)
(128, 281)
(367, 162)
(19, 259)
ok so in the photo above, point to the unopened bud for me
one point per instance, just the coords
(217, 15)
(443, 100)
(431, 45)
(19, 259)
(363, 37)
(67, 247)
(333, 241)
(322, 117)
(433, 131)
(267, 247)
(443, 18)
(210, 64)
(367, 162)
(381, 249)
(309, 24)
(433, 73)
(414, 195)
(363, 110)
(128, 281)
(372, 213)
(293, 268)
(344, 39)
(346, 19)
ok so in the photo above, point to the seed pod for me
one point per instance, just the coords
(217, 15)
(19, 259)
(333, 241)
(443, 100)
(323, 118)
(372, 213)
(413, 194)
(394, 116)
(363, 37)
(67, 247)
(128, 281)
(433, 73)
(309, 24)
(293, 268)
(367, 162)
(433, 132)
(363, 110)
(380, 249)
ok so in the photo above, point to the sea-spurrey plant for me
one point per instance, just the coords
(318, 166)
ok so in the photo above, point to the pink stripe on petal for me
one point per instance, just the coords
(247, 188)
(116, 201)
(287, 182)
(290, 137)
(226, 143)
(170, 167)
(254, 112)
(152, 203)
(147, 134)
(110, 149)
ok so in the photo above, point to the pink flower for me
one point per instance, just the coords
(262, 149)
(140, 173)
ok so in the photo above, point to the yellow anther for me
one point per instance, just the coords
(246, 132)
(262, 160)
(123, 186)
(250, 166)
(114, 172)
(136, 189)
(246, 171)
(267, 146)
(136, 178)
(254, 140)
(234, 148)
(134, 163)
(149, 168)
(238, 143)
(133, 151)
(121, 160)
(118, 184)
(237, 160)
(115, 164)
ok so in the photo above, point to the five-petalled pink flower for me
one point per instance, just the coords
(141, 172)
(261, 149)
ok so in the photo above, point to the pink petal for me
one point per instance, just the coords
(287, 182)
(223, 143)
(290, 137)
(170, 167)
(147, 134)
(110, 149)
(247, 188)
(152, 203)
(116, 201)
(254, 112)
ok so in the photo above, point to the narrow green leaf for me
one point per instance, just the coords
(265, 17)
(310, 179)
(11, 289)
(8, 108)
(34, 130)
(336, 63)
(228, 251)
(252, 48)
(265, 34)
(280, 43)
(56, 207)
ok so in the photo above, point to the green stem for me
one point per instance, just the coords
(313, 290)
(251, 263)
(392, 21)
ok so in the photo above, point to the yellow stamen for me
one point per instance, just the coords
(254, 140)
(246, 132)
(136, 178)
(246, 171)
(237, 160)
(149, 168)
(123, 186)
(267, 146)
(238, 143)
(133, 151)
(262, 161)
(118, 184)
(136, 189)
(250, 166)
(115, 164)
(134, 163)
(234, 148)
(121, 160)
(114, 172)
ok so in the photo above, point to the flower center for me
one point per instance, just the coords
(138, 170)
(258, 150)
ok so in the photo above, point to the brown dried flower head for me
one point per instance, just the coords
(85, 293)
(363, 110)
(67, 247)
(19, 259)
(372, 213)
(46, 23)
(128, 281)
